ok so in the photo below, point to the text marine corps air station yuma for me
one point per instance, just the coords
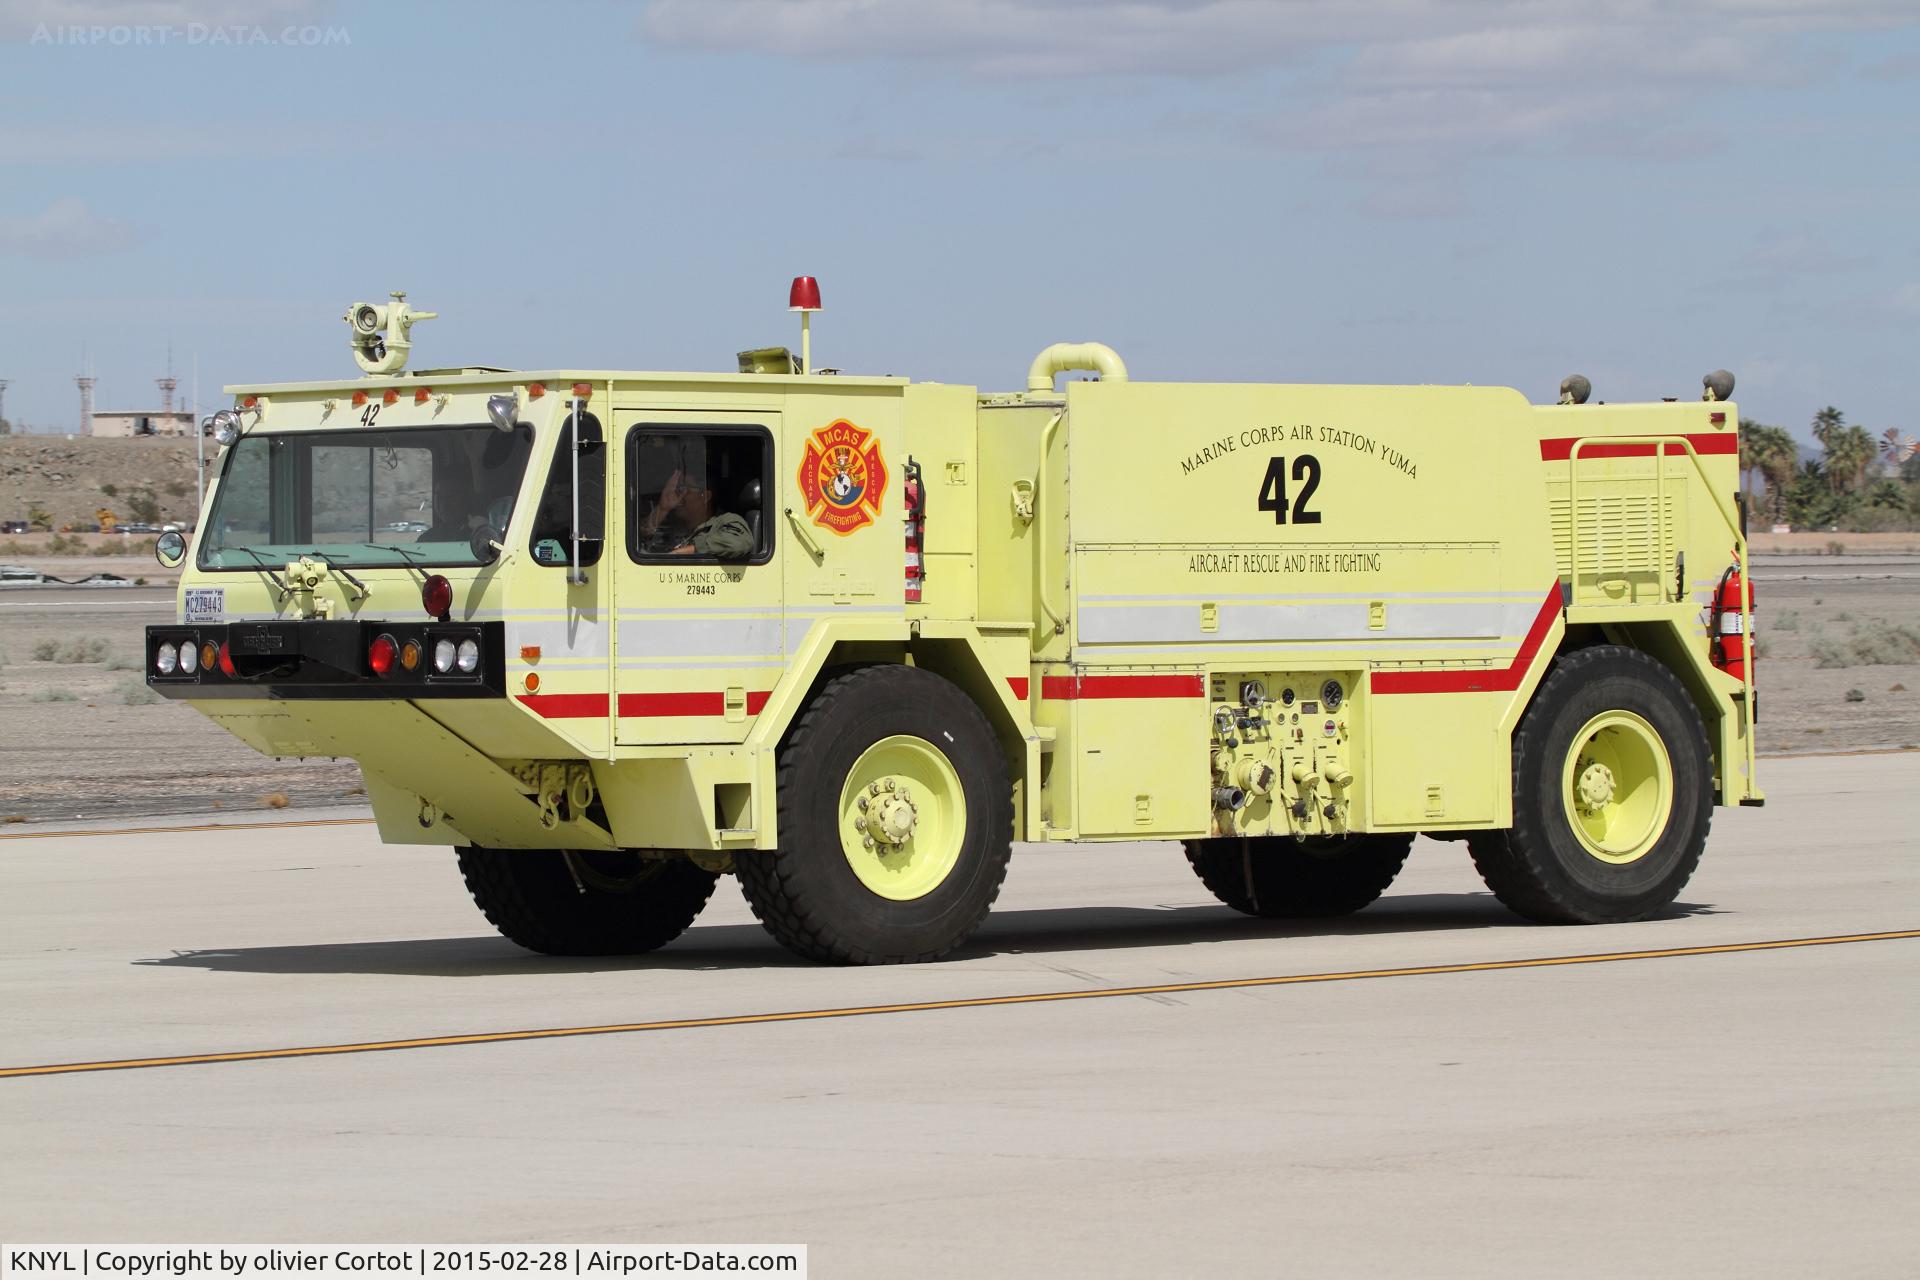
(612, 635)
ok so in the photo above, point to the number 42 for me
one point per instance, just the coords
(1273, 489)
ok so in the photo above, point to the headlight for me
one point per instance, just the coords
(503, 411)
(189, 658)
(166, 659)
(443, 656)
(226, 427)
(468, 657)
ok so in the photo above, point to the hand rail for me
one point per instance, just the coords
(1726, 514)
(1040, 527)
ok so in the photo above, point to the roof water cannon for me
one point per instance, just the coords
(381, 334)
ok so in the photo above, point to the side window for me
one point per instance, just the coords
(553, 520)
(700, 493)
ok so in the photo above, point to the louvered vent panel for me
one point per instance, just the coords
(1621, 534)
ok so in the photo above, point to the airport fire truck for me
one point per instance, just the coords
(614, 635)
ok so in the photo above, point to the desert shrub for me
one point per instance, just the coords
(56, 695)
(1854, 695)
(1787, 622)
(1836, 548)
(1875, 646)
(123, 662)
(134, 692)
(80, 649)
(1830, 653)
(144, 506)
(111, 490)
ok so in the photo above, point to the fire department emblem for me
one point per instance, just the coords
(842, 477)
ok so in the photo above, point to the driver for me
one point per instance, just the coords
(684, 522)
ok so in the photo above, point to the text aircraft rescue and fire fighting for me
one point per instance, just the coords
(613, 635)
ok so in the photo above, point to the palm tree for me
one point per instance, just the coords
(1774, 453)
(1826, 422)
(1850, 451)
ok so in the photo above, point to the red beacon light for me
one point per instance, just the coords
(804, 297)
(436, 596)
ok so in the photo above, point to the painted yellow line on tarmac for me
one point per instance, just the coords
(929, 1006)
(199, 826)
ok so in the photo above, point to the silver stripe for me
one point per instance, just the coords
(749, 637)
(1288, 597)
(1164, 623)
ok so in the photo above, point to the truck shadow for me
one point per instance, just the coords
(1039, 931)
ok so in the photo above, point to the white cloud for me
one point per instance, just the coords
(1394, 39)
(66, 229)
(1360, 73)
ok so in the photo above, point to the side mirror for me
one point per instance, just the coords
(170, 549)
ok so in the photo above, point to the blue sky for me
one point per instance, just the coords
(1258, 190)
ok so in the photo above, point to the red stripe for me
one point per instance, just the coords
(1562, 449)
(1479, 680)
(574, 706)
(1019, 686)
(687, 704)
(1127, 686)
(565, 706)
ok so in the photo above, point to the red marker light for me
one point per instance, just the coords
(226, 660)
(250, 402)
(436, 596)
(381, 655)
(583, 391)
(420, 396)
(804, 295)
(537, 390)
(359, 398)
(390, 397)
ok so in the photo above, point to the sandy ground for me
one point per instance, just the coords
(82, 740)
(1729, 1113)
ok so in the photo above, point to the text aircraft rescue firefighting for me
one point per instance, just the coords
(614, 635)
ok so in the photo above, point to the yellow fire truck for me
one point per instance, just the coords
(613, 635)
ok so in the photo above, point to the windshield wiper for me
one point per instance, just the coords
(266, 568)
(402, 552)
(322, 557)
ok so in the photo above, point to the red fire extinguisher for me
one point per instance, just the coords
(1730, 641)
(916, 522)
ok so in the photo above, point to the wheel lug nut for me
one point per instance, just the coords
(859, 824)
(862, 802)
(889, 784)
(869, 842)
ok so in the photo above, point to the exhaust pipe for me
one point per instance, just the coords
(1096, 357)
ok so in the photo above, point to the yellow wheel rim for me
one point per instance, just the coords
(1618, 787)
(903, 818)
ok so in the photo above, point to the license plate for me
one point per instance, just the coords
(206, 604)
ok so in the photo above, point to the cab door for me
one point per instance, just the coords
(699, 639)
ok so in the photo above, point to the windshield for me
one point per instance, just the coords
(424, 495)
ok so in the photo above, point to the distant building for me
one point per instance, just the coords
(125, 423)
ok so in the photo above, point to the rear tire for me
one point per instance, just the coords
(1612, 794)
(1279, 877)
(630, 904)
(887, 881)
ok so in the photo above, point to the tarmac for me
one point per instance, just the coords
(1118, 1077)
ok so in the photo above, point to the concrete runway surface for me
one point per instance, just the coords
(1725, 1112)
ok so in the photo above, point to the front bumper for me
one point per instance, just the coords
(323, 660)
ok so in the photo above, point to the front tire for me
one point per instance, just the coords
(1612, 794)
(896, 822)
(1281, 878)
(579, 902)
